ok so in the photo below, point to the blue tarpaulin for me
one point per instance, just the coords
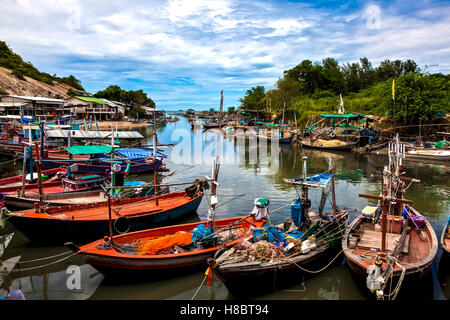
(296, 211)
(321, 178)
(201, 232)
(136, 153)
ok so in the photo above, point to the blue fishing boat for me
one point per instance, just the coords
(95, 159)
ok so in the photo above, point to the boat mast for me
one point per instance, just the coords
(221, 107)
(155, 167)
(333, 190)
(304, 199)
(38, 168)
(214, 184)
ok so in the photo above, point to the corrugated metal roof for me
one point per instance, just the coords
(12, 104)
(38, 99)
(137, 153)
(92, 99)
(84, 134)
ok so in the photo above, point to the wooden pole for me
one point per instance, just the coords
(333, 192)
(24, 166)
(155, 167)
(109, 215)
(41, 189)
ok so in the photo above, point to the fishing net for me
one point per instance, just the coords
(329, 143)
(261, 251)
(163, 244)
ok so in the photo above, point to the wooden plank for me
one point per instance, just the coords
(372, 240)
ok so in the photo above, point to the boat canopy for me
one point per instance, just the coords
(319, 180)
(341, 116)
(137, 153)
(273, 124)
(89, 149)
(86, 134)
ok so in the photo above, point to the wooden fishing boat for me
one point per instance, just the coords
(121, 254)
(52, 190)
(390, 242)
(428, 154)
(445, 237)
(273, 132)
(93, 159)
(55, 199)
(303, 244)
(12, 184)
(79, 183)
(269, 138)
(213, 125)
(174, 248)
(344, 147)
(86, 222)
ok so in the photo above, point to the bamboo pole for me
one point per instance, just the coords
(24, 166)
(41, 189)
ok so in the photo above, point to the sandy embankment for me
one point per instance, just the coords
(121, 125)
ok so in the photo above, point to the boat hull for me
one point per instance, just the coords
(347, 147)
(423, 155)
(58, 231)
(414, 271)
(245, 282)
(279, 140)
(113, 263)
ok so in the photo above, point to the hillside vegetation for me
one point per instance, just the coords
(311, 88)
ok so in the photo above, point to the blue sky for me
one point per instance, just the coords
(183, 53)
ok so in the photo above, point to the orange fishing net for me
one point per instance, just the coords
(163, 244)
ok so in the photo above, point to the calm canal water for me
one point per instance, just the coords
(243, 177)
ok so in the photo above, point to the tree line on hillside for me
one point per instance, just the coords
(136, 99)
(14, 62)
(310, 88)
(20, 69)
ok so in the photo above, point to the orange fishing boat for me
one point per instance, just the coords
(85, 222)
(179, 247)
(168, 248)
(390, 242)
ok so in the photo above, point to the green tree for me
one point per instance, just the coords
(417, 97)
(254, 99)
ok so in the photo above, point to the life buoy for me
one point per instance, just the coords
(332, 134)
(127, 224)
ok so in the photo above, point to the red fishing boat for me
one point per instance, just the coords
(51, 190)
(12, 184)
(95, 159)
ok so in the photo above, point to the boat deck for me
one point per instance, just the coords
(416, 248)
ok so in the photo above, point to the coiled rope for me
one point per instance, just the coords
(316, 271)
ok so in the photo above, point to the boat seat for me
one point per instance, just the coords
(371, 212)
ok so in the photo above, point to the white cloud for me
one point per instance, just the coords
(238, 43)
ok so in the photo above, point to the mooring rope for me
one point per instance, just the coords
(15, 159)
(317, 271)
(47, 264)
(201, 285)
